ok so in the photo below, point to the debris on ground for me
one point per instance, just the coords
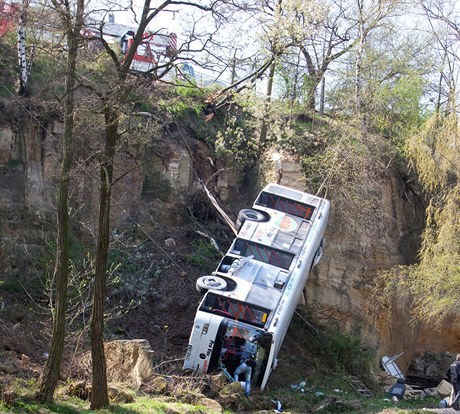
(444, 388)
(301, 387)
(278, 406)
(336, 404)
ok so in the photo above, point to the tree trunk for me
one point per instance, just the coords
(99, 395)
(293, 96)
(264, 127)
(233, 76)
(22, 54)
(311, 89)
(50, 374)
(323, 97)
(359, 59)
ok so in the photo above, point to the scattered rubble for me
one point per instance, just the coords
(82, 390)
(424, 376)
(444, 388)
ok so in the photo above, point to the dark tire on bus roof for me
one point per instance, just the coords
(318, 255)
(204, 283)
(250, 214)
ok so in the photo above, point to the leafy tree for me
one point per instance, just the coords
(284, 23)
(393, 83)
(334, 36)
(431, 286)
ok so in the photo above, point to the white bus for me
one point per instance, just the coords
(251, 297)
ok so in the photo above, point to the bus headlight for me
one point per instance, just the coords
(205, 329)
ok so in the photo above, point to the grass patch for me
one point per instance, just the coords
(328, 399)
(10, 287)
(320, 394)
(204, 254)
(142, 405)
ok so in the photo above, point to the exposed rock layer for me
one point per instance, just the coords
(159, 189)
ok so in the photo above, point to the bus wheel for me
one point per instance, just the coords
(249, 214)
(204, 283)
(319, 254)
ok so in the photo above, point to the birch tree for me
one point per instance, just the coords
(23, 65)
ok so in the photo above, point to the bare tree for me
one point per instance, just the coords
(442, 17)
(72, 23)
(112, 99)
(335, 35)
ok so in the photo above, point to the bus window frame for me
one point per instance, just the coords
(283, 253)
(270, 200)
(207, 306)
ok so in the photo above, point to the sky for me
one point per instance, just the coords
(171, 20)
(177, 19)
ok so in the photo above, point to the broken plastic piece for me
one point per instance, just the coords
(389, 365)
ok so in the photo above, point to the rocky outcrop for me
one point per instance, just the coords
(29, 161)
(338, 290)
(129, 361)
(148, 188)
(430, 366)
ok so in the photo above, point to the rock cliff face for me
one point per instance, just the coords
(159, 189)
(147, 191)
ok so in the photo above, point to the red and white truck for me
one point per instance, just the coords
(154, 50)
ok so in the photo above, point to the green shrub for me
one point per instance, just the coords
(237, 144)
(350, 354)
(204, 254)
(10, 287)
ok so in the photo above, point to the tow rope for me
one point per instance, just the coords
(224, 215)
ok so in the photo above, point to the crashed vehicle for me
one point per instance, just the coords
(250, 299)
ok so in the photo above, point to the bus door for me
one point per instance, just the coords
(270, 362)
(241, 341)
(204, 344)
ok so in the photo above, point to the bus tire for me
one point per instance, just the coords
(249, 214)
(204, 283)
(318, 254)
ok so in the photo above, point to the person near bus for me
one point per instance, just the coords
(398, 390)
(246, 368)
(453, 376)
